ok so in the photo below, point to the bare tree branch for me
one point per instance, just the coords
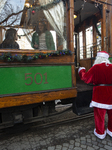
(13, 14)
(13, 21)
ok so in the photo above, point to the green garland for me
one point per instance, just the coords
(49, 5)
(8, 57)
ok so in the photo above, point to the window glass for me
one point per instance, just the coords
(99, 36)
(81, 44)
(89, 41)
(40, 26)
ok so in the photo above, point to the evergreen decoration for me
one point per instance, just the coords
(45, 7)
(8, 57)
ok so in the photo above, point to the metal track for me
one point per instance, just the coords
(48, 117)
(36, 119)
(64, 121)
(20, 128)
(48, 121)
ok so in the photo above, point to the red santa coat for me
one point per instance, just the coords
(99, 74)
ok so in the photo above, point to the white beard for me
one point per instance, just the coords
(100, 60)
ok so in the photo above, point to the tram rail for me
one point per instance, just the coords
(55, 119)
(64, 121)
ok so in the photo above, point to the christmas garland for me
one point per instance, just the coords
(49, 5)
(8, 57)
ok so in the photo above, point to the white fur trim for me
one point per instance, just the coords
(103, 54)
(109, 132)
(99, 105)
(100, 136)
(81, 69)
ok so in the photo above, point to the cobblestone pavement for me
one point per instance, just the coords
(72, 136)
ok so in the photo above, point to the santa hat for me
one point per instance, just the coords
(103, 54)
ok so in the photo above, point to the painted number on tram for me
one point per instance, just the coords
(37, 75)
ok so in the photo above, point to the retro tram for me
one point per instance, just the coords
(34, 74)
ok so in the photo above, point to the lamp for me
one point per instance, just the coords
(75, 16)
(27, 5)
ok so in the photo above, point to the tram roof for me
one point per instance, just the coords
(84, 10)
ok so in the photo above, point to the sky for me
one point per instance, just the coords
(16, 5)
(2, 2)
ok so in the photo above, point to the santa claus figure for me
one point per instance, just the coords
(100, 74)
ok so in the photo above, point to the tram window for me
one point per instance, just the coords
(81, 44)
(52, 15)
(9, 40)
(89, 41)
(24, 41)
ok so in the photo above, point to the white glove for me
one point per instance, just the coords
(80, 68)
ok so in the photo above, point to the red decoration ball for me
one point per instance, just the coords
(33, 11)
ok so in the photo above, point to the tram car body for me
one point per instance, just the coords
(31, 79)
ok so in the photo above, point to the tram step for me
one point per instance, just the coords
(81, 103)
(83, 110)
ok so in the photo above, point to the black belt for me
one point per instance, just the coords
(103, 84)
(100, 84)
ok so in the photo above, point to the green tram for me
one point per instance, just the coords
(40, 53)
